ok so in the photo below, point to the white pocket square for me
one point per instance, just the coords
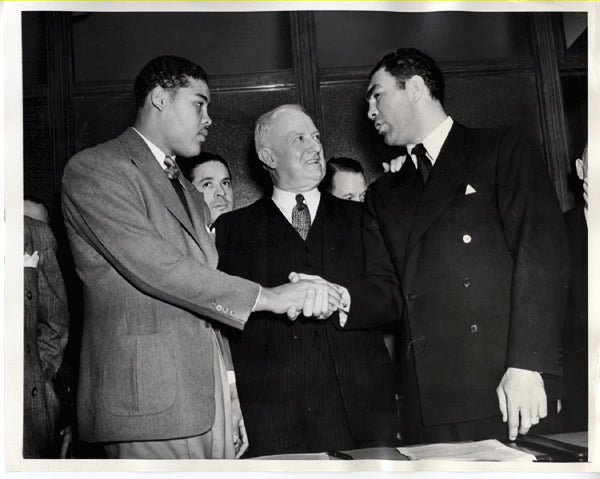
(31, 261)
(470, 190)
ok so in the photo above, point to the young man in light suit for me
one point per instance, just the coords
(156, 375)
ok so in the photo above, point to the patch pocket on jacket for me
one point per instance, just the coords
(156, 374)
(145, 379)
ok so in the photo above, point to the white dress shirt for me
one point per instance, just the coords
(434, 141)
(156, 151)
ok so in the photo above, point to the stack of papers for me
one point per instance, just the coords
(489, 450)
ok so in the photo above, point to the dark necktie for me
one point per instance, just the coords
(301, 217)
(423, 162)
(173, 173)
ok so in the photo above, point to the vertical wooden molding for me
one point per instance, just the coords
(551, 104)
(59, 43)
(306, 64)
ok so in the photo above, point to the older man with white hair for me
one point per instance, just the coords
(304, 386)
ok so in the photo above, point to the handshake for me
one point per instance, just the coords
(307, 294)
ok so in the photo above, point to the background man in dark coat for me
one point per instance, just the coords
(46, 332)
(466, 244)
(575, 403)
(304, 386)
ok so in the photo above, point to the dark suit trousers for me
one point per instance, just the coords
(308, 404)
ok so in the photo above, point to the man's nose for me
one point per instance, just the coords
(372, 111)
(206, 120)
(219, 191)
(316, 145)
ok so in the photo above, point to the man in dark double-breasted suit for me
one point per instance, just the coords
(305, 386)
(464, 242)
(156, 378)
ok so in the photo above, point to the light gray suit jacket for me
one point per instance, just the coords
(151, 296)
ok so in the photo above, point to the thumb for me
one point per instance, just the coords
(292, 313)
(294, 277)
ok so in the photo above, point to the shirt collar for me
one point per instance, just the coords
(286, 200)
(156, 151)
(435, 140)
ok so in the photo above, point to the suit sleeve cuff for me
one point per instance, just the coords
(345, 309)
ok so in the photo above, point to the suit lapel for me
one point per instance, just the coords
(200, 214)
(142, 157)
(406, 190)
(447, 176)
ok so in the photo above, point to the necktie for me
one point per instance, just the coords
(173, 173)
(301, 217)
(423, 162)
(172, 170)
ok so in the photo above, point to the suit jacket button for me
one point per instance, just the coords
(466, 239)
(29, 295)
(412, 296)
(474, 328)
(34, 392)
(466, 282)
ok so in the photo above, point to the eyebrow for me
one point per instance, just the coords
(204, 97)
(204, 178)
(370, 91)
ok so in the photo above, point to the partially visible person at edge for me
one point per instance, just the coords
(46, 321)
(575, 339)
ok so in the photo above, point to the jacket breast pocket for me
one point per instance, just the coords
(141, 378)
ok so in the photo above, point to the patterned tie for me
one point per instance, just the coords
(174, 174)
(172, 170)
(423, 162)
(301, 217)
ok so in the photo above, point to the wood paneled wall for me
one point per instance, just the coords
(500, 68)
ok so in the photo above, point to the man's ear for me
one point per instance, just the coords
(266, 156)
(415, 87)
(579, 168)
(159, 97)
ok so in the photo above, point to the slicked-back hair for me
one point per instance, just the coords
(187, 165)
(340, 163)
(265, 122)
(169, 72)
(405, 63)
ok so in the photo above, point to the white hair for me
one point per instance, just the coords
(265, 122)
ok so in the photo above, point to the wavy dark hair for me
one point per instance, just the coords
(167, 71)
(405, 63)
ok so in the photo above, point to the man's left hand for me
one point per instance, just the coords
(522, 400)
(240, 438)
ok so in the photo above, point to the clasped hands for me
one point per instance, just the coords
(306, 294)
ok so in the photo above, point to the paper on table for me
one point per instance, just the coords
(314, 456)
(489, 450)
